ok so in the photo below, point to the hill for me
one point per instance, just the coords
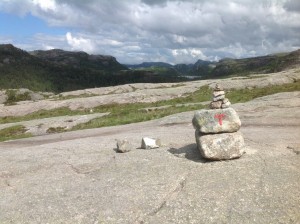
(264, 64)
(79, 60)
(230, 67)
(59, 71)
(145, 65)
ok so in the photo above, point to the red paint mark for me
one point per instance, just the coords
(220, 117)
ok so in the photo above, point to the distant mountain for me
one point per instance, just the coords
(157, 68)
(231, 67)
(149, 65)
(264, 64)
(200, 68)
(79, 60)
(59, 71)
(184, 69)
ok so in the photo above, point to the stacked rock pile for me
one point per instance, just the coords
(219, 100)
(217, 130)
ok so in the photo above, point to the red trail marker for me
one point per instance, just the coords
(220, 117)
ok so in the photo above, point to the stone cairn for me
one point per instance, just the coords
(217, 130)
(219, 100)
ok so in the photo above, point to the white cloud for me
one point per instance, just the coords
(170, 30)
(79, 43)
(45, 4)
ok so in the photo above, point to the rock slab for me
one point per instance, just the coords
(216, 121)
(222, 146)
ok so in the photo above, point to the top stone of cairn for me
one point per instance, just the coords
(218, 87)
(219, 101)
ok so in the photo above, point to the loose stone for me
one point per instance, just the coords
(123, 146)
(215, 105)
(218, 93)
(217, 98)
(225, 100)
(149, 143)
(226, 105)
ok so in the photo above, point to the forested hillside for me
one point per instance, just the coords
(59, 71)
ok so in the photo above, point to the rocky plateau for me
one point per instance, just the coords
(78, 177)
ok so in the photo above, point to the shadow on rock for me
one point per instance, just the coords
(189, 152)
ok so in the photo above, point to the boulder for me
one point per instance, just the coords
(123, 146)
(220, 146)
(216, 121)
(149, 143)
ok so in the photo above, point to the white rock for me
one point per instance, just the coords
(149, 143)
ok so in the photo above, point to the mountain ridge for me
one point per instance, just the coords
(59, 71)
(230, 66)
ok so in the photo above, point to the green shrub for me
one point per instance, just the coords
(13, 97)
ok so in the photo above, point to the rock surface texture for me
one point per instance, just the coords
(216, 132)
(76, 177)
(143, 92)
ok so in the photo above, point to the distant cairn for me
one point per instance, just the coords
(217, 129)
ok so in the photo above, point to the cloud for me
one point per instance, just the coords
(292, 5)
(45, 5)
(79, 43)
(169, 30)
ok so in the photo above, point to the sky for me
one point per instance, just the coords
(136, 31)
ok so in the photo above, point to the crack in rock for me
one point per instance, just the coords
(170, 196)
(76, 170)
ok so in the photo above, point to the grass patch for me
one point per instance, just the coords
(172, 86)
(125, 115)
(249, 77)
(244, 95)
(13, 96)
(52, 130)
(130, 113)
(43, 114)
(14, 132)
(84, 95)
